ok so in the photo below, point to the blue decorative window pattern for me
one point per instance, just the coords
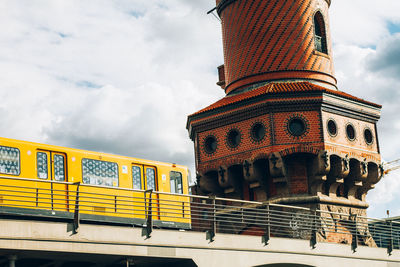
(9, 160)
(175, 179)
(137, 177)
(59, 169)
(97, 172)
(150, 179)
(42, 165)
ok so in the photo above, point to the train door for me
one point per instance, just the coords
(58, 174)
(144, 178)
(150, 181)
(51, 166)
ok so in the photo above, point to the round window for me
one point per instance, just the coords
(210, 144)
(296, 126)
(258, 131)
(368, 136)
(332, 127)
(350, 132)
(233, 138)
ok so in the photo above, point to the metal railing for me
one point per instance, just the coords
(212, 215)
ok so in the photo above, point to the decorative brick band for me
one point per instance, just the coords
(281, 75)
(222, 4)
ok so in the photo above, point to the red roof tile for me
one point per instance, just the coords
(276, 88)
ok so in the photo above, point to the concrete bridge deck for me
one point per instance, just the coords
(49, 243)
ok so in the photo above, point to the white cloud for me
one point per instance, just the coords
(365, 61)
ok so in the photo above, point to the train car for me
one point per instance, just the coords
(46, 180)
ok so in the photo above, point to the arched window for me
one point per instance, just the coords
(320, 33)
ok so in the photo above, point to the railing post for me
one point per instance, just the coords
(354, 243)
(390, 243)
(76, 212)
(52, 204)
(11, 260)
(313, 240)
(148, 227)
(37, 197)
(115, 204)
(267, 235)
(210, 234)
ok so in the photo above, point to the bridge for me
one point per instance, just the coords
(223, 232)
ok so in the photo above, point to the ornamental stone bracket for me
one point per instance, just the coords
(277, 168)
(223, 178)
(230, 178)
(375, 174)
(357, 177)
(255, 172)
(208, 182)
(249, 172)
(340, 169)
(320, 168)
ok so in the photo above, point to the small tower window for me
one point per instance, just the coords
(369, 139)
(233, 138)
(258, 132)
(332, 127)
(350, 132)
(297, 127)
(320, 33)
(210, 144)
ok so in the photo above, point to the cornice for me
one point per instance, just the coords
(225, 3)
(254, 107)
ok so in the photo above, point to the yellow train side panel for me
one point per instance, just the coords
(43, 192)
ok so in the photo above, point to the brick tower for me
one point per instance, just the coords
(284, 133)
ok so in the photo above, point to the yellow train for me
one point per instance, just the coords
(52, 181)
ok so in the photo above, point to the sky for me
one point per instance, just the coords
(121, 76)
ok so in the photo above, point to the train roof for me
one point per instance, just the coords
(88, 152)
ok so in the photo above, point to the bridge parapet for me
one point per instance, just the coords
(72, 211)
(118, 244)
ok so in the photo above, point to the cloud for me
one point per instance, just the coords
(113, 76)
(366, 61)
(386, 59)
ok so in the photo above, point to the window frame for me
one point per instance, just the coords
(146, 180)
(64, 161)
(171, 178)
(112, 186)
(19, 161)
(140, 178)
(47, 166)
(319, 23)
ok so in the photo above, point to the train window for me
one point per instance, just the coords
(9, 160)
(137, 177)
(175, 179)
(150, 178)
(42, 166)
(59, 169)
(98, 172)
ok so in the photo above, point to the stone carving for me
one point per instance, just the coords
(277, 168)
(364, 167)
(346, 162)
(208, 183)
(246, 167)
(222, 177)
(320, 168)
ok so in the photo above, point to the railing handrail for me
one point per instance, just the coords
(254, 204)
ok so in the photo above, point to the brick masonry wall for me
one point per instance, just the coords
(277, 139)
(261, 37)
(341, 145)
(247, 148)
(342, 235)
